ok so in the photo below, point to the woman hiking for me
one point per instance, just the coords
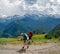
(25, 38)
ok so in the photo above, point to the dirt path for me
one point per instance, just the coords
(51, 48)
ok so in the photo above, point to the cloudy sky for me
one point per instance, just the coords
(22, 7)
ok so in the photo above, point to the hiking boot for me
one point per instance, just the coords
(27, 47)
(22, 47)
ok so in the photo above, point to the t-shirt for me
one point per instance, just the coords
(26, 36)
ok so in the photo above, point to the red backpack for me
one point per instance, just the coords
(30, 33)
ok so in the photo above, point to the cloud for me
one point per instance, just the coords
(11, 8)
(30, 2)
(21, 7)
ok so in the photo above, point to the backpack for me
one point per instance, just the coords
(27, 36)
(30, 34)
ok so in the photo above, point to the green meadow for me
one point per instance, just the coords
(36, 39)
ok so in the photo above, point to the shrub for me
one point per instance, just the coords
(48, 37)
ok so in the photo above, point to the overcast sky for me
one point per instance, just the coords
(22, 7)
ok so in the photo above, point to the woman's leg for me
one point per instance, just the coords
(24, 44)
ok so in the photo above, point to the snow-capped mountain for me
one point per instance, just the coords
(14, 25)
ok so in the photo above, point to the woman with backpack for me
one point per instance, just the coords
(26, 37)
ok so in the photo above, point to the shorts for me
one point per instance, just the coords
(29, 37)
(25, 39)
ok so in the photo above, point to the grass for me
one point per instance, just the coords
(9, 41)
(37, 39)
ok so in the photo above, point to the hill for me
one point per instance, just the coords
(54, 32)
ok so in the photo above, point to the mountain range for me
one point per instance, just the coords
(14, 25)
